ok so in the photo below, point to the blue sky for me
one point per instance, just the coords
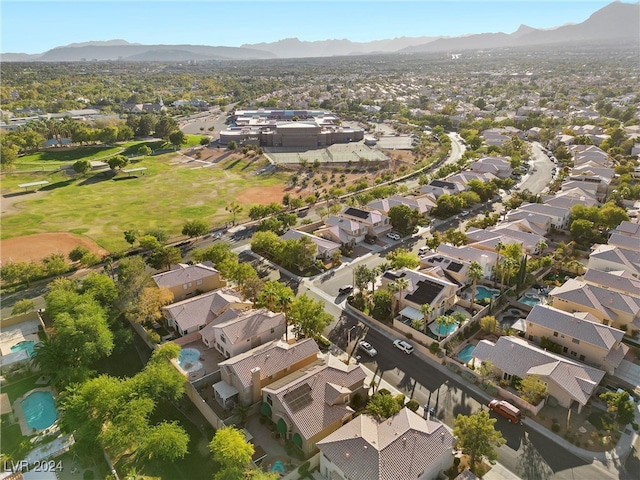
(36, 26)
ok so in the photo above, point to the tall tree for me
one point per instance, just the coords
(309, 317)
(477, 438)
(231, 451)
(474, 274)
(234, 208)
(195, 228)
(426, 309)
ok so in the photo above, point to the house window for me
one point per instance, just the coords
(565, 349)
(531, 337)
(273, 330)
(582, 358)
(184, 286)
(555, 334)
(198, 282)
(346, 399)
(269, 400)
(222, 339)
(576, 341)
(575, 354)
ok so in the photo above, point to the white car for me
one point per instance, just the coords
(404, 346)
(393, 236)
(368, 349)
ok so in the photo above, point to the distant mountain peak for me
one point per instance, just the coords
(101, 43)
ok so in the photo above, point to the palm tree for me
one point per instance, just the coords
(271, 296)
(393, 288)
(426, 309)
(475, 273)
(540, 246)
(402, 283)
(444, 322)
(284, 302)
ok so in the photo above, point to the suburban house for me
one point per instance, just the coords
(613, 308)
(487, 259)
(237, 331)
(489, 238)
(244, 375)
(619, 281)
(527, 222)
(580, 335)
(611, 258)
(352, 224)
(568, 381)
(192, 314)
(185, 281)
(437, 188)
(465, 177)
(421, 289)
(495, 136)
(498, 166)
(558, 216)
(422, 204)
(601, 177)
(588, 153)
(569, 198)
(326, 248)
(453, 268)
(626, 235)
(590, 189)
(309, 404)
(403, 447)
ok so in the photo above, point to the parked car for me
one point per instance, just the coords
(404, 346)
(505, 409)
(345, 289)
(423, 250)
(368, 348)
(393, 236)
(464, 213)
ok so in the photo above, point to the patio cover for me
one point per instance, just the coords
(411, 313)
(520, 324)
(224, 391)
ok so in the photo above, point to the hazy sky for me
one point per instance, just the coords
(36, 26)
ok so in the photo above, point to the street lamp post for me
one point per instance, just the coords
(349, 334)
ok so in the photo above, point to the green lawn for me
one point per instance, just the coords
(102, 206)
(17, 388)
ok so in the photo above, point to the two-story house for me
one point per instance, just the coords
(569, 381)
(186, 281)
(326, 248)
(579, 334)
(309, 404)
(237, 331)
(352, 225)
(608, 306)
(192, 314)
(244, 375)
(405, 446)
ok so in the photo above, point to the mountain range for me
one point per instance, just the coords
(615, 23)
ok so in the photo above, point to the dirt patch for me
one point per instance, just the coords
(36, 247)
(262, 195)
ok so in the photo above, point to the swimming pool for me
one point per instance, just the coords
(466, 354)
(278, 467)
(484, 293)
(443, 330)
(39, 410)
(508, 321)
(189, 359)
(530, 299)
(26, 345)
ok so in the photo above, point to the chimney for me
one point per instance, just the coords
(256, 387)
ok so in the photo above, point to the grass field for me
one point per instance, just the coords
(101, 205)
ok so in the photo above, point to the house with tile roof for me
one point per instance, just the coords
(579, 334)
(569, 381)
(626, 235)
(192, 314)
(570, 197)
(309, 404)
(326, 248)
(612, 258)
(619, 281)
(436, 188)
(608, 306)
(489, 238)
(186, 281)
(422, 204)
(422, 289)
(237, 331)
(466, 253)
(558, 216)
(403, 447)
(352, 225)
(245, 375)
(452, 268)
(498, 166)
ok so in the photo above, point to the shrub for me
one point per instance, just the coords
(409, 335)
(77, 253)
(413, 405)
(456, 461)
(635, 426)
(304, 468)
(555, 428)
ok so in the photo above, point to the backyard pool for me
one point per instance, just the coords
(466, 354)
(189, 359)
(484, 293)
(39, 410)
(508, 321)
(443, 330)
(26, 345)
(278, 467)
(530, 299)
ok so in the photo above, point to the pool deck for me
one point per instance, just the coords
(17, 408)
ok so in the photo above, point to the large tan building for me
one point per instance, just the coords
(288, 128)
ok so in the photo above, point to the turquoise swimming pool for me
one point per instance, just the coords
(189, 359)
(530, 299)
(443, 330)
(24, 345)
(484, 293)
(39, 410)
(466, 354)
